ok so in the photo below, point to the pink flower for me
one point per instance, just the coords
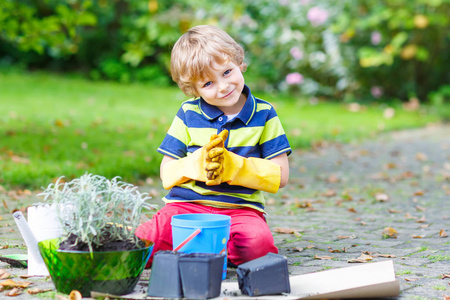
(294, 78)
(304, 2)
(376, 91)
(283, 2)
(317, 16)
(296, 53)
(375, 38)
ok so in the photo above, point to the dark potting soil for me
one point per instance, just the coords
(74, 244)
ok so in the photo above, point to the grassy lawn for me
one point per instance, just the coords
(53, 125)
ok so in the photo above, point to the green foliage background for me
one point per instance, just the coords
(345, 49)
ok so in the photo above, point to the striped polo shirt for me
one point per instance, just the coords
(255, 132)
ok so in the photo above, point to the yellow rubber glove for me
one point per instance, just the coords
(256, 173)
(194, 166)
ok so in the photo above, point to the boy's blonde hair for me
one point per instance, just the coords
(197, 50)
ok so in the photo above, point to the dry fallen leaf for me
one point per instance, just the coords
(419, 193)
(19, 160)
(285, 230)
(352, 210)
(342, 237)
(421, 156)
(389, 232)
(365, 256)
(387, 255)
(411, 279)
(333, 178)
(12, 284)
(334, 250)
(329, 193)
(422, 220)
(356, 260)
(394, 211)
(37, 290)
(409, 216)
(381, 197)
(420, 208)
(414, 236)
(303, 204)
(14, 292)
(445, 276)
(442, 233)
(297, 249)
(75, 295)
(390, 165)
(4, 274)
(322, 257)
(310, 247)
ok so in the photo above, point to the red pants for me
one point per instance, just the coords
(250, 236)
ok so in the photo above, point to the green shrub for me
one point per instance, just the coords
(345, 49)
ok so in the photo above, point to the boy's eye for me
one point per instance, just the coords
(207, 84)
(227, 72)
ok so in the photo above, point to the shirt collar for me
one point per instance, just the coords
(211, 112)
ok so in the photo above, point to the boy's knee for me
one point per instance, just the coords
(244, 248)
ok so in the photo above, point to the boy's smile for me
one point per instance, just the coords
(222, 87)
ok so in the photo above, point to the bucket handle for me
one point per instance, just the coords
(190, 237)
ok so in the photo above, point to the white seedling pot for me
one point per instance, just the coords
(44, 224)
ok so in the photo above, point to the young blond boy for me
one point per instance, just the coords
(228, 131)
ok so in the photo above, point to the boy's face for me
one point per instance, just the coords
(223, 87)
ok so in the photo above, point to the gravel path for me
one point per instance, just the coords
(340, 201)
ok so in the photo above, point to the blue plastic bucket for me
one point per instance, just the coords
(212, 238)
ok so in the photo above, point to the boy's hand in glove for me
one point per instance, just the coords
(214, 160)
(225, 166)
(193, 166)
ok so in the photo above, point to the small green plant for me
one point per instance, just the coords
(94, 210)
(404, 272)
(439, 287)
(435, 258)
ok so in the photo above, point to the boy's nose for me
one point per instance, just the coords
(223, 86)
